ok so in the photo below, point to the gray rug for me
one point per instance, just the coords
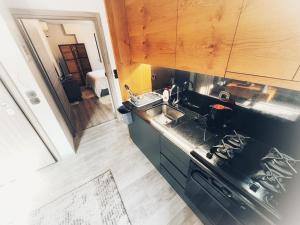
(94, 203)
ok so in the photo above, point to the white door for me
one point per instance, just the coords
(21, 149)
(41, 47)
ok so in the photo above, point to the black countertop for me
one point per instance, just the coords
(189, 133)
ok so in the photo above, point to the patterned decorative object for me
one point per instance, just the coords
(94, 203)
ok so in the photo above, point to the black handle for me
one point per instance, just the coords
(221, 188)
(116, 73)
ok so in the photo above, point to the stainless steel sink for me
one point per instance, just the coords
(164, 114)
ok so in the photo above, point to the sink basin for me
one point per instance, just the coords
(164, 114)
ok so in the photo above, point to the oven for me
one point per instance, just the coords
(216, 200)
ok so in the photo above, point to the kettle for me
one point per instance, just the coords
(219, 115)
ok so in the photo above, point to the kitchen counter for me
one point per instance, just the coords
(176, 132)
(188, 134)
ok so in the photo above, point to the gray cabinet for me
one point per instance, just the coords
(174, 154)
(146, 138)
(172, 162)
(174, 165)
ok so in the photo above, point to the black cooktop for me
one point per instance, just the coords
(243, 166)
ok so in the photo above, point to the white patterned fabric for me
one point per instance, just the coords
(94, 203)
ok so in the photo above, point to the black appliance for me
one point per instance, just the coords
(239, 177)
(217, 201)
(219, 116)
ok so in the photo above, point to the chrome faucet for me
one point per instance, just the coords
(175, 101)
(186, 85)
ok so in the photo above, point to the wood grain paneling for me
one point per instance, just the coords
(205, 34)
(135, 16)
(119, 32)
(287, 84)
(135, 22)
(297, 75)
(152, 31)
(137, 76)
(160, 32)
(267, 41)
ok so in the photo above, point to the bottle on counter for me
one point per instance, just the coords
(166, 95)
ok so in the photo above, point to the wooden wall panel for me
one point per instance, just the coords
(160, 32)
(137, 76)
(205, 34)
(118, 28)
(135, 16)
(152, 31)
(297, 75)
(254, 40)
(135, 21)
(267, 41)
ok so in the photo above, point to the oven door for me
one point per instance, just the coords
(200, 193)
(219, 204)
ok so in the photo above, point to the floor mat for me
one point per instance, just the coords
(94, 203)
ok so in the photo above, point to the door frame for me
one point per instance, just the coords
(19, 14)
(45, 75)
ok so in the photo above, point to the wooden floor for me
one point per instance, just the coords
(92, 112)
(148, 198)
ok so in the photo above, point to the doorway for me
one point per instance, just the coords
(69, 56)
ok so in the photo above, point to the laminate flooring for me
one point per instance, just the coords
(148, 198)
(92, 111)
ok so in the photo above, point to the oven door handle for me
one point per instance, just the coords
(220, 195)
(206, 181)
(221, 188)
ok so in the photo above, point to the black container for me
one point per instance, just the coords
(219, 116)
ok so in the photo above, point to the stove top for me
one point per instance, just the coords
(229, 146)
(259, 171)
(277, 170)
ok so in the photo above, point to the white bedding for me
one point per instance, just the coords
(97, 81)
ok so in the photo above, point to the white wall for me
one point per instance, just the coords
(84, 32)
(19, 64)
(95, 6)
(37, 27)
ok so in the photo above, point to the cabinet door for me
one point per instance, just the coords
(297, 76)
(267, 41)
(146, 138)
(135, 23)
(152, 31)
(205, 34)
(160, 32)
